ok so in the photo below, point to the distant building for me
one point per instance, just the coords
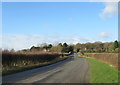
(45, 50)
(85, 48)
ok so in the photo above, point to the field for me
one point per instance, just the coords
(104, 67)
(16, 62)
(109, 58)
(102, 72)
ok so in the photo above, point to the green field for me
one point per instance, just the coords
(102, 72)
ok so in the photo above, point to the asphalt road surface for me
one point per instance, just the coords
(71, 70)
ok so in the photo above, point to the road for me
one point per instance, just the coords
(71, 70)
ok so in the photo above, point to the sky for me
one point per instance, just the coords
(31, 23)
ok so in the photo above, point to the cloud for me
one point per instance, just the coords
(18, 42)
(70, 19)
(104, 35)
(103, 0)
(47, 25)
(111, 9)
(0, 40)
(59, 0)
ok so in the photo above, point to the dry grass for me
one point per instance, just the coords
(109, 58)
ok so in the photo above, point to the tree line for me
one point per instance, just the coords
(59, 48)
(96, 47)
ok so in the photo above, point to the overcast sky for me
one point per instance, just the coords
(30, 23)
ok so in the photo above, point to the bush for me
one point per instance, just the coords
(19, 59)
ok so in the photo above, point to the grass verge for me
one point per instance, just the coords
(102, 72)
(21, 69)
